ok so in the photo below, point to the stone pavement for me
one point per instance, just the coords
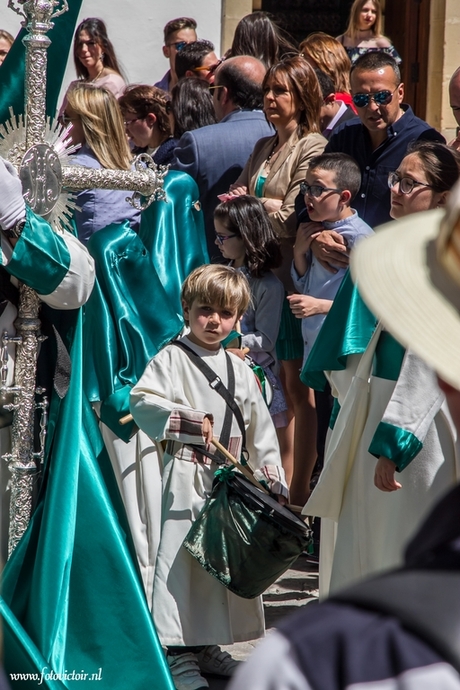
(295, 588)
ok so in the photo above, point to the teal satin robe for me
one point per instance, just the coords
(72, 598)
(135, 307)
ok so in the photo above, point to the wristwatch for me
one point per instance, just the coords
(14, 233)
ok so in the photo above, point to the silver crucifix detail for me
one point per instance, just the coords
(39, 150)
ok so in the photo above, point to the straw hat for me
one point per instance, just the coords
(409, 275)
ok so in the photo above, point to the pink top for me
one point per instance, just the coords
(112, 82)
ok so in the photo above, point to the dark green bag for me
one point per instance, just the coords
(244, 537)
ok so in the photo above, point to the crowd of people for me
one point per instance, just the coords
(281, 159)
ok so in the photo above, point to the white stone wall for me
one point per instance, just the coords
(136, 29)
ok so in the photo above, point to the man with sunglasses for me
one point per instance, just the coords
(378, 141)
(177, 34)
(197, 59)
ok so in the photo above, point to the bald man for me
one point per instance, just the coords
(215, 155)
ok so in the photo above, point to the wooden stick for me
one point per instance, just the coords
(247, 473)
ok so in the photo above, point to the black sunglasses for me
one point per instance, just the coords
(361, 100)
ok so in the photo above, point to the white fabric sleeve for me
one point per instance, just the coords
(155, 411)
(416, 399)
(75, 289)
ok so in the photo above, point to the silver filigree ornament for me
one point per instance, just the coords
(40, 149)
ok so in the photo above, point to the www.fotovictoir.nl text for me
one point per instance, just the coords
(47, 674)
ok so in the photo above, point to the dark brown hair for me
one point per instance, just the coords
(141, 99)
(347, 173)
(192, 106)
(440, 163)
(97, 31)
(177, 25)
(246, 217)
(258, 35)
(299, 77)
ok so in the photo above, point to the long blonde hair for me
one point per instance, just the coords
(330, 56)
(102, 124)
(353, 22)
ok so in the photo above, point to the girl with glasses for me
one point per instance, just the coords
(245, 237)
(147, 117)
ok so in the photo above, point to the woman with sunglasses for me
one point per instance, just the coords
(95, 59)
(146, 112)
(97, 126)
(404, 428)
(273, 173)
(363, 33)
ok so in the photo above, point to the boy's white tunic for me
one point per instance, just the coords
(190, 607)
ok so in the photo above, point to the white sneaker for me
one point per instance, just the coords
(214, 661)
(186, 672)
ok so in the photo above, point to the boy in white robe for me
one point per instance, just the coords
(175, 405)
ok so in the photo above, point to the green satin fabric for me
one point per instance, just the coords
(396, 444)
(173, 233)
(128, 319)
(12, 70)
(71, 584)
(135, 307)
(347, 330)
(40, 257)
(19, 647)
(388, 358)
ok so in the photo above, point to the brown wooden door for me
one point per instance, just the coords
(407, 23)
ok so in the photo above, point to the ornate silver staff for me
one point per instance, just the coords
(39, 150)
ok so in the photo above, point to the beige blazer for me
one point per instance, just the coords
(286, 174)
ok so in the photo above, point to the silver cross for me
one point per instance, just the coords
(39, 150)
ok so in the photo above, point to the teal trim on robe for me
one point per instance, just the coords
(40, 257)
(334, 413)
(72, 583)
(388, 358)
(396, 444)
(347, 330)
(172, 232)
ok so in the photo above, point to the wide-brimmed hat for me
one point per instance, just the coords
(409, 275)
